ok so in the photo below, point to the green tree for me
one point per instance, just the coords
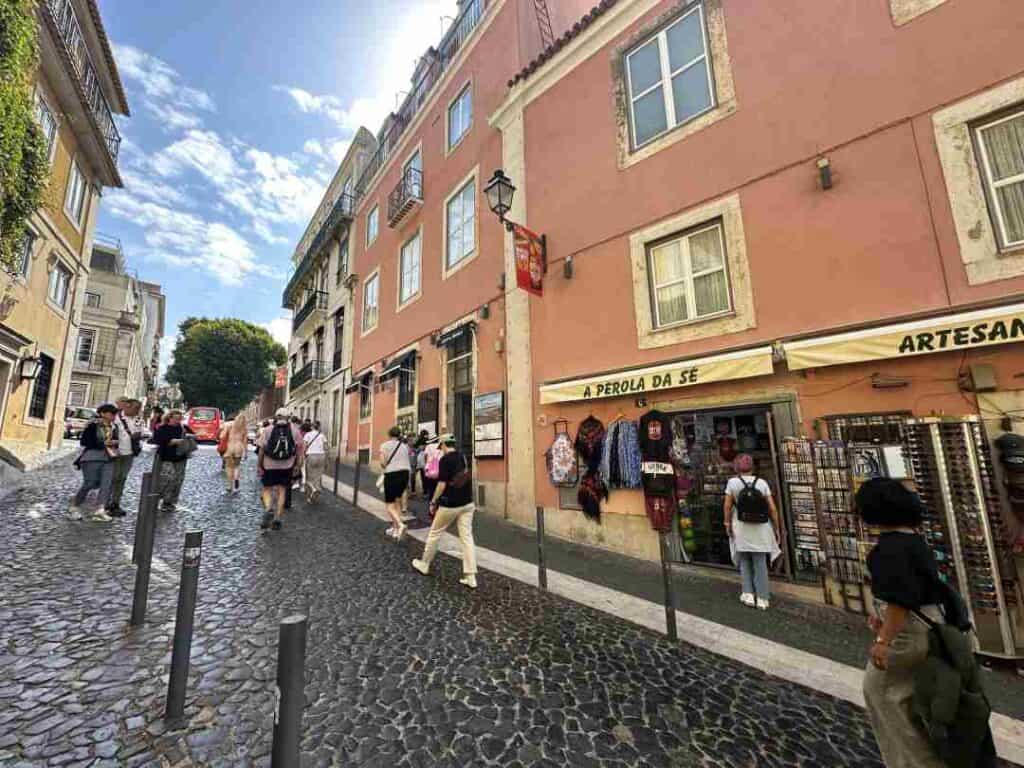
(223, 362)
(24, 170)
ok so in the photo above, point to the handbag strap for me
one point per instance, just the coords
(393, 453)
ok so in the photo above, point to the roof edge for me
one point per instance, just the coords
(108, 55)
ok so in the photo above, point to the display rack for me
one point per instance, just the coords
(799, 476)
(841, 528)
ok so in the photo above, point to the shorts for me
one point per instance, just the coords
(395, 484)
(274, 477)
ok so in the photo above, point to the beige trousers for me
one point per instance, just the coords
(445, 517)
(888, 694)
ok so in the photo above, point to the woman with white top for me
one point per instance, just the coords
(316, 456)
(752, 522)
(394, 462)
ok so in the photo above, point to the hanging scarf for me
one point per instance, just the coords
(628, 455)
(590, 445)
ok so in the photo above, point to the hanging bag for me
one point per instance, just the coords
(562, 466)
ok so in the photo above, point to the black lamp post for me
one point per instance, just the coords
(500, 191)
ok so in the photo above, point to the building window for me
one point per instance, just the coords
(365, 397)
(669, 78)
(409, 279)
(304, 352)
(78, 395)
(372, 224)
(339, 339)
(407, 383)
(74, 204)
(342, 272)
(92, 299)
(25, 252)
(460, 364)
(86, 345)
(60, 281)
(295, 365)
(460, 116)
(41, 390)
(1002, 152)
(370, 302)
(689, 278)
(47, 123)
(461, 225)
(412, 175)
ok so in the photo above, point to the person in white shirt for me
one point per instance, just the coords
(394, 462)
(316, 456)
(129, 438)
(752, 522)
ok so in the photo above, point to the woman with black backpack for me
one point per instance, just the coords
(752, 522)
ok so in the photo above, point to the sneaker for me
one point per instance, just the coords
(238, 485)
(468, 580)
(747, 599)
(421, 566)
(99, 516)
(762, 604)
(74, 512)
(400, 532)
(277, 525)
(268, 518)
(390, 532)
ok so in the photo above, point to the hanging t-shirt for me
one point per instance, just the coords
(655, 437)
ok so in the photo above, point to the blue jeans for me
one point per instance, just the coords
(754, 572)
(95, 475)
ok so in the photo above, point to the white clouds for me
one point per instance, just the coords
(165, 96)
(202, 151)
(280, 328)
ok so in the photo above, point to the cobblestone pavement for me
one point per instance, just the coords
(401, 670)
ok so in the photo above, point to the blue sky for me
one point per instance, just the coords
(240, 114)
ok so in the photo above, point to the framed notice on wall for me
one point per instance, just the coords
(489, 426)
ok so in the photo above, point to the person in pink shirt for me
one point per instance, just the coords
(281, 451)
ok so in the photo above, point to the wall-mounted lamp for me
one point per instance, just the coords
(881, 381)
(485, 311)
(641, 402)
(824, 172)
(499, 192)
(29, 367)
(567, 268)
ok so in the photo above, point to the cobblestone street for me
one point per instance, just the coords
(401, 670)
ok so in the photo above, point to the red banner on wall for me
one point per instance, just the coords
(281, 377)
(529, 260)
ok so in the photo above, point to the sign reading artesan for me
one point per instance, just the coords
(963, 336)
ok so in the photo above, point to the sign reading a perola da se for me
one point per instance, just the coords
(686, 373)
(983, 327)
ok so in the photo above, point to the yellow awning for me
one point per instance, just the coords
(983, 327)
(686, 373)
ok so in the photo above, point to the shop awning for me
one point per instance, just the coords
(393, 368)
(358, 381)
(950, 333)
(450, 337)
(684, 373)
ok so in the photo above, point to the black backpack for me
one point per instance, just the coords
(281, 443)
(751, 505)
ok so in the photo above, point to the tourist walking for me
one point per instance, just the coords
(99, 447)
(174, 445)
(316, 456)
(452, 503)
(129, 445)
(394, 462)
(281, 452)
(431, 461)
(234, 437)
(752, 522)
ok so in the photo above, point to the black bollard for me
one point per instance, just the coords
(146, 527)
(337, 464)
(542, 568)
(182, 648)
(670, 600)
(144, 491)
(355, 484)
(291, 696)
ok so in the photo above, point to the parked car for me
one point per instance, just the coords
(205, 422)
(76, 420)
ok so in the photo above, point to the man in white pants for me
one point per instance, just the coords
(453, 503)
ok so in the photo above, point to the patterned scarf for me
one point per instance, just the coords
(590, 444)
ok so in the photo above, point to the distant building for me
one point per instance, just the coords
(154, 307)
(269, 398)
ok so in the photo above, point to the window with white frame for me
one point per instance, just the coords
(78, 394)
(689, 278)
(25, 252)
(365, 397)
(409, 278)
(669, 77)
(371, 302)
(60, 282)
(342, 272)
(47, 123)
(372, 224)
(1001, 143)
(86, 345)
(461, 224)
(78, 187)
(92, 299)
(460, 116)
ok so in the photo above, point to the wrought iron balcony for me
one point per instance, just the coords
(62, 14)
(341, 212)
(314, 370)
(315, 301)
(406, 195)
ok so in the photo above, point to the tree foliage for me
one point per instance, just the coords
(223, 362)
(24, 166)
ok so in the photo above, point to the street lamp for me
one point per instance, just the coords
(499, 191)
(29, 367)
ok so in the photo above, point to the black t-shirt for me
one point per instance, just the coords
(163, 436)
(904, 571)
(449, 466)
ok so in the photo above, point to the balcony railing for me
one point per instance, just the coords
(317, 300)
(63, 14)
(336, 361)
(406, 195)
(314, 370)
(342, 211)
(94, 362)
(440, 59)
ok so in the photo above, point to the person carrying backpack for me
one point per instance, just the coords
(281, 451)
(431, 460)
(452, 502)
(752, 522)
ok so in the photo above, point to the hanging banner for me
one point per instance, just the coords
(952, 333)
(687, 373)
(530, 265)
(281, 377)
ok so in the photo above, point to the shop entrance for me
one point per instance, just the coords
(460, 392)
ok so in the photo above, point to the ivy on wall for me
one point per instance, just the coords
(24, 170)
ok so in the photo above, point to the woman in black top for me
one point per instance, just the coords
(904, 580)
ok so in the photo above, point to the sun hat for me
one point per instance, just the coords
(447, 439)
(281, 413)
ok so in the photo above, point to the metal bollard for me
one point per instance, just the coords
(144, 491)
(337, 464)
(355, 484)
(146, 527)
(670, 600)
(291, 696)
(542, 568)
(182, 648)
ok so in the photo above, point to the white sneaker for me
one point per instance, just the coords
(421, 566)
(747, 599)
(400, 532)
(762, 605)
(469, 580)
(74, 513)
(390, 532)
(99, 516)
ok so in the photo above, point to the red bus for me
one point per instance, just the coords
(205, 422)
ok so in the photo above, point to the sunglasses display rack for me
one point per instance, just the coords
(963, 523)
(798, 474)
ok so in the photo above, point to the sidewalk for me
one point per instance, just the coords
(13, 471)
(811, 644)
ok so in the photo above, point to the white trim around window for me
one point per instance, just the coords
(85, 347)
(1001, 146)
(372, 225)
(460, 225)
(371, 303)
(47, 123)
(689, 277)
(58, 287)
(25, 253)
(83, 388)
(77, 196)
(458, 118)
(410, 270)
(93, 300)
